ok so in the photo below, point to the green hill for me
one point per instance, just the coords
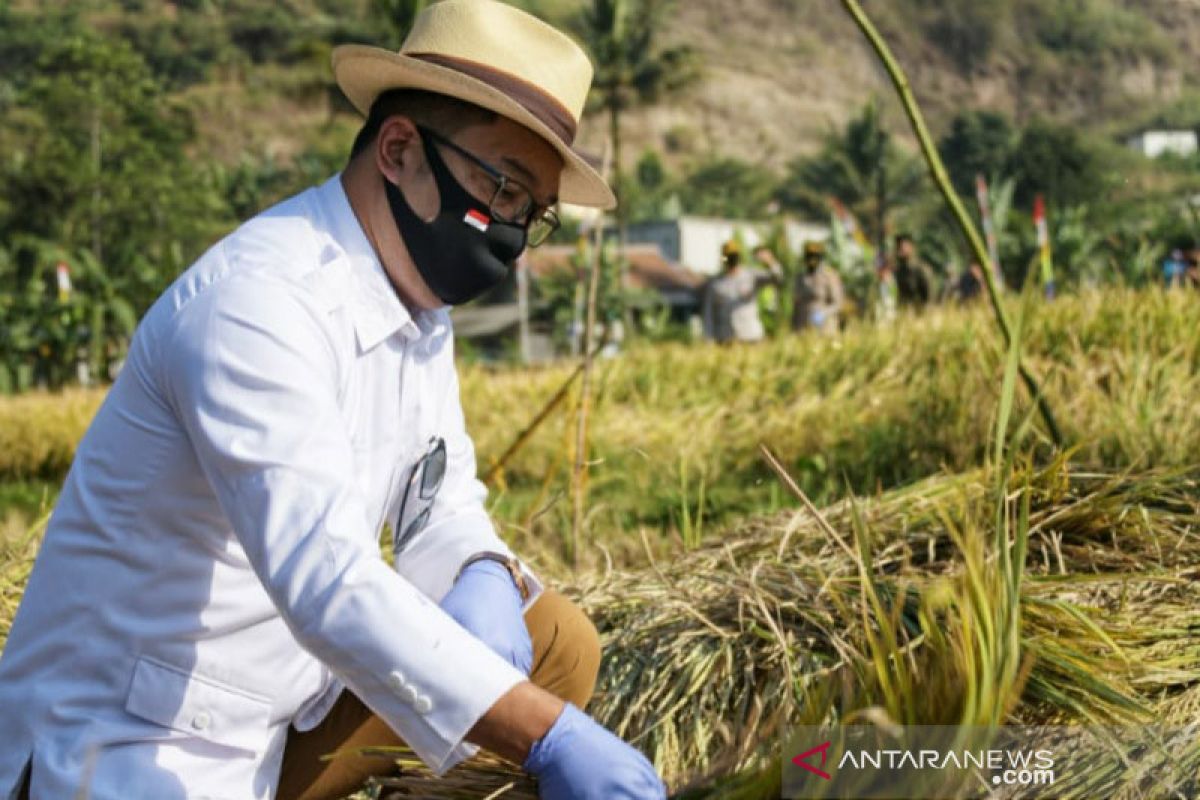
(781, 73)
(777, 73)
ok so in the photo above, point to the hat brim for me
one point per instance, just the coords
(363, 73)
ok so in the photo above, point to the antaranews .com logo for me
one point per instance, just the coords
(957, 762)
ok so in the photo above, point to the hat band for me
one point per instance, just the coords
(548, 110)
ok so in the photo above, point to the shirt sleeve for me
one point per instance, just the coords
(251, 371)
(768, 276)
(459, 525)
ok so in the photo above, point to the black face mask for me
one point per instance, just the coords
(463, 252)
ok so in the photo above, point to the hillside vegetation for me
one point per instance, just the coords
(781, 73)
(777, 73)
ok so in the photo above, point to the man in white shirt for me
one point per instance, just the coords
(210, 613)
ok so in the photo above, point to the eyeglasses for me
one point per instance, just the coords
(422, 487)
(512, 201)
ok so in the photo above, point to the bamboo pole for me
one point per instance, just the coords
(579, 473)
(498, 465)
(941, 179)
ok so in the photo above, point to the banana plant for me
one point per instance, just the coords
(51, 331)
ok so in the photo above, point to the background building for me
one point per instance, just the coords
(695, 242)
(1154, 143)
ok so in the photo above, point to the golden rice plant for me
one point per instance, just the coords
(878, 406)
(709, 656)
(39, 432)
(875, 408)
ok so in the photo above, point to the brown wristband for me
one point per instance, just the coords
(508, 562)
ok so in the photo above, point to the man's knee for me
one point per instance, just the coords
(566, 648)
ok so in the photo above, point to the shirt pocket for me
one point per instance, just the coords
(199, 706)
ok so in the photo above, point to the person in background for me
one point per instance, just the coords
(969, 286)
(1174, 269)
(886, 300)
(1191, 274)
(914, 279)
(730, 306)
(818, 293)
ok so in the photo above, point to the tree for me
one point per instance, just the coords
(103, 163)
(967, 30)
(979, 143)
(1058, 162)
(633, 67)
(396, 18)
(728, 187)
(96, 175)
(860, 166)
(653, 193)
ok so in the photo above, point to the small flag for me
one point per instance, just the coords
(64, 281)
(477, 220)
(1043, 241)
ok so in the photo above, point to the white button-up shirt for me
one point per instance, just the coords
(212, 572)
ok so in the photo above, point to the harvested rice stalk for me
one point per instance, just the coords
(711, 655)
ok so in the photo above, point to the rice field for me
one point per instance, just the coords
(675, 428)
(958, 570)
(711, 656)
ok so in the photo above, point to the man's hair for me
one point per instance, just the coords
(903, 237)
(446, 115)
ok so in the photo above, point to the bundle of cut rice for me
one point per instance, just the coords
(796, 620)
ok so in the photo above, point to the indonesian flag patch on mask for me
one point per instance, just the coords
(477, 220)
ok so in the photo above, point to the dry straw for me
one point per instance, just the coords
(708, 657)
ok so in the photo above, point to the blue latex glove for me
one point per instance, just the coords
(578, 759)
(486, 602)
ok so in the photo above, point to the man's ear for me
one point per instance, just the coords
(398, 148)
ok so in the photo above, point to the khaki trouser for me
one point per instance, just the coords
(566, 660)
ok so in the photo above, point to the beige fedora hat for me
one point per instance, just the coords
(495, 56)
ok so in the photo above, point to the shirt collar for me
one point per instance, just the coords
(378, 312)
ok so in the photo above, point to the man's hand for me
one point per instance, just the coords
(486, 602)
(578, 759)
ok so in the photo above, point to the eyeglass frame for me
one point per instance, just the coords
(547, 215)
(416, 477)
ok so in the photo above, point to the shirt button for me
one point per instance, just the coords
(396, 682)
(423, 705)
(409, 695)
(201, 721)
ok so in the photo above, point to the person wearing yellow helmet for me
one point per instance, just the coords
(818, 293)
(730, 305)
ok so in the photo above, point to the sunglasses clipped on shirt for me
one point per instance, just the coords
(420, 489)
(511, 201)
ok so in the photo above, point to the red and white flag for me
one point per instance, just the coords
(63, 273)
(477, 220)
